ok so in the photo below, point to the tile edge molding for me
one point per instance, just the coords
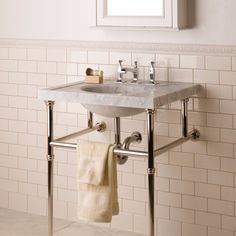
(123, 46)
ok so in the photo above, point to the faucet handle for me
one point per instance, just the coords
(152, 69)
(152, 73)
(120, 66)
(135, 72)
(120, 62)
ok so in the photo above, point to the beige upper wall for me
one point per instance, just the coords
(211, 22)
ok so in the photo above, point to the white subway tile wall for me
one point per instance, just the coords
(195, 183)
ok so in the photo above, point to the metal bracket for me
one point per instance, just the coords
(195, 134)
(50, 157)
(151, 171)
(101, 126)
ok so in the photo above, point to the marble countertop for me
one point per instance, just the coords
(131, 95)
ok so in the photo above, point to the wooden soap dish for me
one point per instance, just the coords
(94, 76)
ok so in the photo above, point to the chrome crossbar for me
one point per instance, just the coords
(192, 135)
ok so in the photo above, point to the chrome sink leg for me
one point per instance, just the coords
(50, 158)
(90, 119)
(117, 131)
(151, 169)
(184, 109)
(117, 135)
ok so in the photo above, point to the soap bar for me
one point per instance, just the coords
(93, 79)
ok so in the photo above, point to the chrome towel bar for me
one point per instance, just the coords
(192, 135)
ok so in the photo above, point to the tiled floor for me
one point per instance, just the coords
(13, 223)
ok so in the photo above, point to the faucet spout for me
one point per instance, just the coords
(123, 70)
(120, 72)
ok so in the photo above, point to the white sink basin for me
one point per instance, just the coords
(120, 99)
(112, 111)
(117, 89)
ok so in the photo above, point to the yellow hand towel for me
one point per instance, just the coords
(98, 203)
(92, 159)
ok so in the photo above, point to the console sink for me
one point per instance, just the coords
(120, 99)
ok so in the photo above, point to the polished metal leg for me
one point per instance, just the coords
(117, 131)
(50, 158)
(185, 117)
(151, 169)
(90, 119)
(117, 139)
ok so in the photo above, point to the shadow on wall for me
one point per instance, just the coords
(191, 8)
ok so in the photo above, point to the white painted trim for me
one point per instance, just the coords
(92, 13)
(137, 28)
(124, 46)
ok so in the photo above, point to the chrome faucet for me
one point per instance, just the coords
(123, 70)
(152, 73)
